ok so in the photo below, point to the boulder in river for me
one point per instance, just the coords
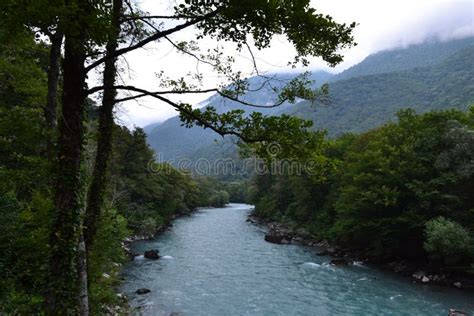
(339, 262)
(418, 275)
(143, 291)
(455, 312)
(152, 254)
(274, 239)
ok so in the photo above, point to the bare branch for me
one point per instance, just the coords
(203, 122)
(158, 93)
(189, 53)
(155, 37)
(152, 17)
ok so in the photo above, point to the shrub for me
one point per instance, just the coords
(447, 240)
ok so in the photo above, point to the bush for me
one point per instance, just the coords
(147, 227)
(447, 240)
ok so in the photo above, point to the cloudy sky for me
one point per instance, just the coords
(382, 24)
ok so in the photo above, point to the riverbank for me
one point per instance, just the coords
(417, 272)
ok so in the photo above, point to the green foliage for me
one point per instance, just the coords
(447, 240)
(219, 199)
(311, 33)
(25, 198)
(380, 188)
(237, 191)
(149, 193)
(105, 260)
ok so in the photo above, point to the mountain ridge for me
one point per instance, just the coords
(359, 102)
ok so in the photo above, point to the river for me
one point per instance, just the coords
(215, 263)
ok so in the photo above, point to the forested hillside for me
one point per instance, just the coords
(403, 191)
(420, 55)
(361, 103)
(429, 76)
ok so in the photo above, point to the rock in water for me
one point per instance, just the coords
(339, 262)
(275, 239)
(455, 312)
(152, 254)
(143, 291)
(418, 275)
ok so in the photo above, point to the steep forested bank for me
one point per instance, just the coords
(142, 194)
(404, 191)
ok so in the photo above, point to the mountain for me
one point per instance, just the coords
(364, 102)
(149, 128)
(173, 142)
(429, 76)
(414, 56)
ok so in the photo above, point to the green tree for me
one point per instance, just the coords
(447, 240)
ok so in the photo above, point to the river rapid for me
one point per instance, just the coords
(216, 263)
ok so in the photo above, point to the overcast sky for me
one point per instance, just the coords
(381, 25)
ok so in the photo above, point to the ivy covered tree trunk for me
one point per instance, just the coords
(97, 188)
(62, 294)
(82, 276)
(52, 95)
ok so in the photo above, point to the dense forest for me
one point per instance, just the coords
(137, 201)
(74, 183)
(401, 191)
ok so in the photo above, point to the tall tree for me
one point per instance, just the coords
(97, 188)
(61, 296)
(51, 107)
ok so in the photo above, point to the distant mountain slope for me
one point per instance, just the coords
(365, 102)
(423, 77)
(171, 141)
(420, 55)
(149, 128)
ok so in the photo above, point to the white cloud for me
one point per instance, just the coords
(381, 25)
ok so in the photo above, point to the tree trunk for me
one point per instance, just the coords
(82, 276)
(62, 292)
(97, 189)
(52, 95)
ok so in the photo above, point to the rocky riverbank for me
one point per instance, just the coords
(418, 272)
(127, 242)
(153, 254)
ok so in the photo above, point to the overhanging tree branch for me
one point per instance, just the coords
(154, 37)
(144, 93)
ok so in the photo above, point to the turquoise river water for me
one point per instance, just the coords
(215, 263)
